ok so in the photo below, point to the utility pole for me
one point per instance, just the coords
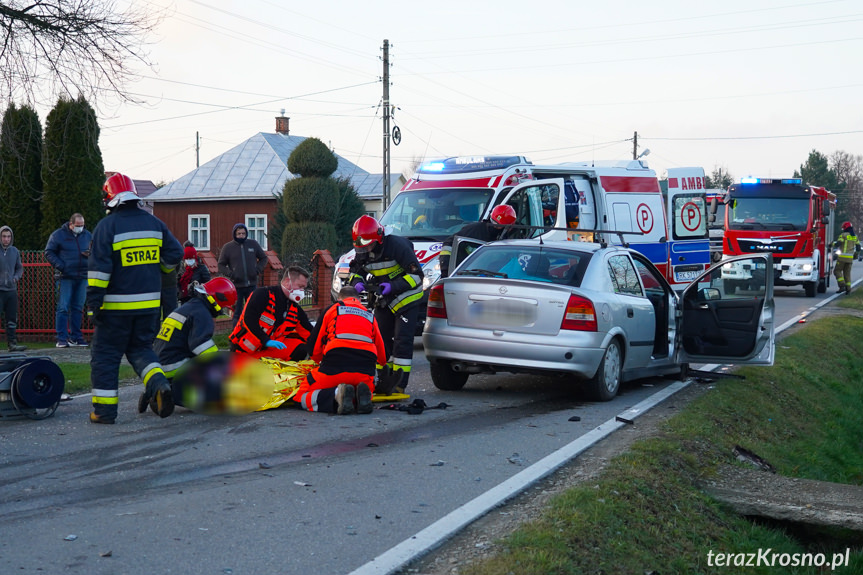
(197, 149)
(386, 190)
(635, 145)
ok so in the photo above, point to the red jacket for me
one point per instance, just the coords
(348, 338)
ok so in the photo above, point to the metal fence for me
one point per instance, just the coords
(38, 293)
(37, 300)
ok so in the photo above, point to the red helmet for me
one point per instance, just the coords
(119, 188)
(221, 292)
(503, 215)
(368, 233)
(846, 225)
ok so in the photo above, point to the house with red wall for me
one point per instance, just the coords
(241, 185)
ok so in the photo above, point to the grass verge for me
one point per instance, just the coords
(646, 513)
(77, 376)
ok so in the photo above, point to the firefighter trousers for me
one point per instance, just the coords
(398, 330)
(116, 335)
(842, 271)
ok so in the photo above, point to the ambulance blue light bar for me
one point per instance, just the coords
(750, 180)
(467, 164)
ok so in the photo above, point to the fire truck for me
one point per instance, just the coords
(787, 218)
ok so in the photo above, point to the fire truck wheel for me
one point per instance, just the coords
(810, 288)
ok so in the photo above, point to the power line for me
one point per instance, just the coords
(758, 137)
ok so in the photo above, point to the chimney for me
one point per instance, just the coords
(282, 124)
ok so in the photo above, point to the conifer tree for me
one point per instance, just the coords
(72, 169)
(20, 176)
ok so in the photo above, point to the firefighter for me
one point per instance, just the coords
(348, 346)
(188, 331)
(273, 324)
(493, 229)
(390, 267)
(131, 248)
(846, 243)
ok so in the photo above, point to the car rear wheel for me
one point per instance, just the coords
(443, 376)
(605, 384)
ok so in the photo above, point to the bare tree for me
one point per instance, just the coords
(849, 172)
(72, 47)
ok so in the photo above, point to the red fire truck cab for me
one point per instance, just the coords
(787, 218)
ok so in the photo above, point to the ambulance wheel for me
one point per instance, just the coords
(443, 376)
(605, 384)
(810, 288)
(822, 285)
(730, 286)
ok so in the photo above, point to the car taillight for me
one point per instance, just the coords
(580, 314)
(436, 303)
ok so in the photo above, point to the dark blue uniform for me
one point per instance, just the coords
(130, 250)
(186, 333)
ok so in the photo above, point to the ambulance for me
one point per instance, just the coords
(613, 202)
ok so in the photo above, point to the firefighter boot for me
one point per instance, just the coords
(364, 399)
(95, 418)
(345, 396)
(158, 391)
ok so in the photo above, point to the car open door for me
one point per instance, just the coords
(540, 207)
(461, 248)
(715, 326)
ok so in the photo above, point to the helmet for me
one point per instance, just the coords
(367, 233)
(221, 293)
(846, 225)
(503, 215)
(119, 188)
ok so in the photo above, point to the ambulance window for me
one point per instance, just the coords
(534, 206)
(690, 219)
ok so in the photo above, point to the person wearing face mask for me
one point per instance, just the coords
(192, 271)
(242, 260)
(273, 324)
(67, 251)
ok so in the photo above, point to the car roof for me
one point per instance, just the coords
(590, 247)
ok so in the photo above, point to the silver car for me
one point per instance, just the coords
(602, 314)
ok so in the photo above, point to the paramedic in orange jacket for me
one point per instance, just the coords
(348, 346)
(273, 324)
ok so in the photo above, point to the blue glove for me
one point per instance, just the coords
(360, 287)
(273, 344)
(386, 288)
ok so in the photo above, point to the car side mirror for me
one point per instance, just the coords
(709, 294)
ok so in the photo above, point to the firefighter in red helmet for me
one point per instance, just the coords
(387, 268)
(847, 245)
(188, 331)
(130, 250)
(500, 220)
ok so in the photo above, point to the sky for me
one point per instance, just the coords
(747, 86)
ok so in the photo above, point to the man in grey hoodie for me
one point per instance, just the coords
(242, 260)
(11, 271)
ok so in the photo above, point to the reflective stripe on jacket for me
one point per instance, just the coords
(269, 315)
(186, 333)
(130, 250)
(393, 262)
(349, 325)
(847, 243)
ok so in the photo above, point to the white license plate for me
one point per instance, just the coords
(502, 312)
(686, 276)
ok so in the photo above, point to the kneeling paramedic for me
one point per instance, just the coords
(273, 324)
(396, 283)
(188, 331)
(130, 250)
(348, 346)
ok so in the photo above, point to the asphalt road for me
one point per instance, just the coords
(281, 491)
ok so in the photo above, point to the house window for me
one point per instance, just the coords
(257, 226)
(199, 231)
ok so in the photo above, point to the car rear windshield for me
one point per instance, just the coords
(535, 263)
